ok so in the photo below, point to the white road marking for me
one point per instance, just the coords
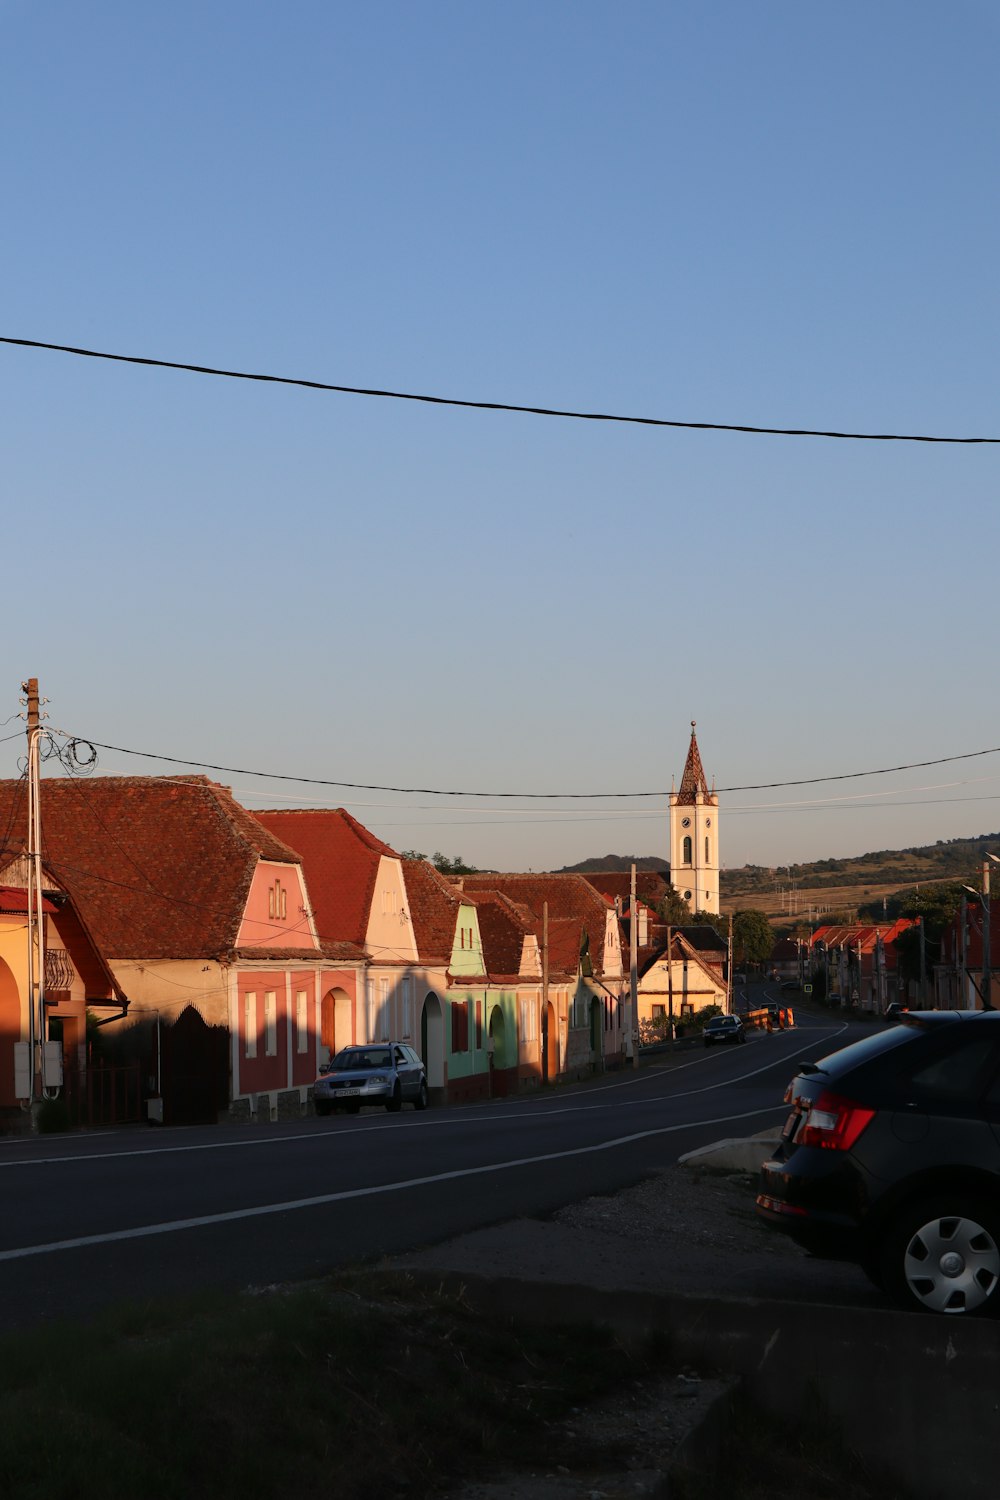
(455, 1120)
(173, 1226)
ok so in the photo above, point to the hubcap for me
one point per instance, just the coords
(951, 1265)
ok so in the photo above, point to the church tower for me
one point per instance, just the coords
(694, 836)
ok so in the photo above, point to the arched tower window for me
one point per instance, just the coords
(687, 849)
(706, 849)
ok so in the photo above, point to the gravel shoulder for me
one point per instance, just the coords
(686, 1229)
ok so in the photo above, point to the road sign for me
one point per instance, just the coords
(807, 989)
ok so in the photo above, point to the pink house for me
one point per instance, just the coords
(204, 917)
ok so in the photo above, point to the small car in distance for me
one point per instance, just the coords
(389, 1073)
(723, 1029)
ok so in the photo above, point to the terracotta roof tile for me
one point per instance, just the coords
(433, 904)
(341, 860)
(571, 900)
(159, 867)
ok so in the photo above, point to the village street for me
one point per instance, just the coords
(97, 1217)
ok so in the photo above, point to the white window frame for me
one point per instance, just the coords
(270, 1023)
(250, 1023)
(301, 1021)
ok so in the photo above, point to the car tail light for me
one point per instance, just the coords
(833, 1122)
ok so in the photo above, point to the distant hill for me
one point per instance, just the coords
(829, 885)
(619, 862)
(951, 859)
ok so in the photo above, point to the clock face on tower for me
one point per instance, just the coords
(685, 822)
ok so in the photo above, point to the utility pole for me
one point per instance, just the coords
(35, 901)
(670, 983)
(545, 992)
(633, 976)
(987, 974)
(964, 954)
(923, 965)
(729, 969)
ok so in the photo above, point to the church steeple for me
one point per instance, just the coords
(693, 781)
(694, 835)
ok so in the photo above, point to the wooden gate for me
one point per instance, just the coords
(107, 1094)
(194, 1070)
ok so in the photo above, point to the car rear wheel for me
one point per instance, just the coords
(322, 1107)
(943, 1256)
(396, 1102)
(420, 1102)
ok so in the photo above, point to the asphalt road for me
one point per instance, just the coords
(92, 1219)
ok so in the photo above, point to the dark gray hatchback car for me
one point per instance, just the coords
(890, 1157)
(389, 1073)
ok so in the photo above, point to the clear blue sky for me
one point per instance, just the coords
(771, 213)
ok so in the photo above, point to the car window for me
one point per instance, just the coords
(351, 1057)
(959, 1072)
(868, 1050)
(400, 1055)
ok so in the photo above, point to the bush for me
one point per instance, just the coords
(53, 1115)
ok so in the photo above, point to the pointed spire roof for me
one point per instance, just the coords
(693, 781)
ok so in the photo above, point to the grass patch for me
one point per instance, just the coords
(765, 1458)
(309, 1392)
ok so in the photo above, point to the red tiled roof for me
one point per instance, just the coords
(341, 859)
(503, 926)
(158, 867)
(570, 898)
(433, 904)
(651, 886)
(16, 901)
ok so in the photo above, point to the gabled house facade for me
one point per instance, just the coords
(203, 914)
(859, 962)
(959, 976)
(570, 1010)
(424, 977)
(76, 979)
(682, 972)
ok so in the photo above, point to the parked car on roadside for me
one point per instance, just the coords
(894, 1010)
(890, 1157)
(389, 1073)
(723, 1029)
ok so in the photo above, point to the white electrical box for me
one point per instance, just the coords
(52, 1065)
(22, 1070)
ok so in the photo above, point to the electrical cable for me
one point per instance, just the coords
(536, 411)
(423, 791)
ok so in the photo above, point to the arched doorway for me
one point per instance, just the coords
(597, 1030)
(10, 1033)
(499, 1076)
(551, 1043)
(432, 1040)
(336, 1026)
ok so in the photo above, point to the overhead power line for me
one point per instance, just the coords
(535, 411)
(363, 786)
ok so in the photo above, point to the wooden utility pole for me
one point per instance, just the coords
(35, 901)
(545, 992)
(987, 974)
(633, 974)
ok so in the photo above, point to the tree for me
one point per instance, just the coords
(753, 937)
(674, 910)
(937, 906)
(448, 865)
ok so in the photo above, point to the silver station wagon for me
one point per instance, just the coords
(388, 1073)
